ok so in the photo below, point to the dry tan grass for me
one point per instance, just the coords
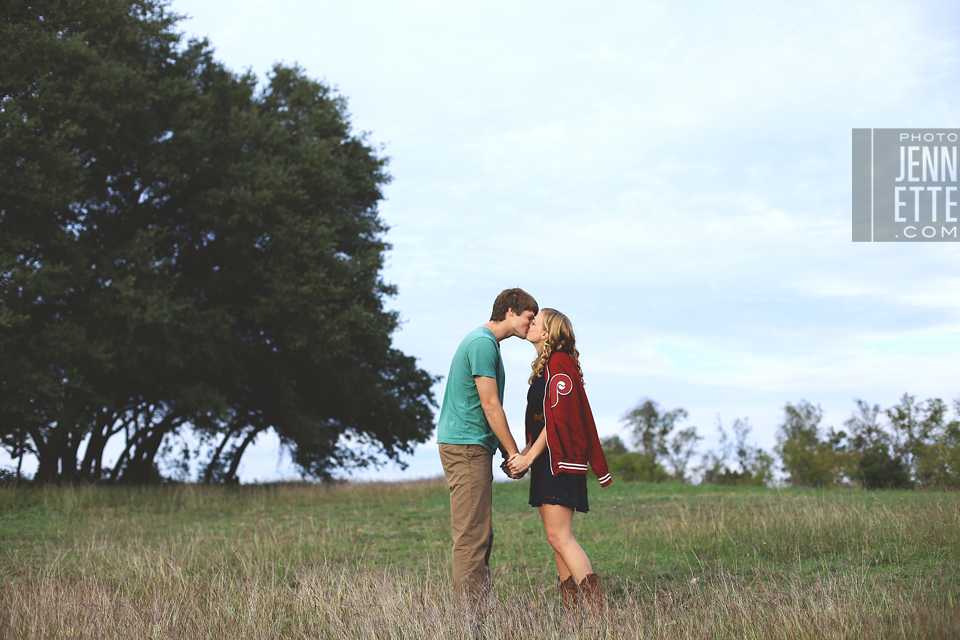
(308, 562)
(149, 594)
(103, 589)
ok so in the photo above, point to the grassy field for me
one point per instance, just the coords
(372, 561)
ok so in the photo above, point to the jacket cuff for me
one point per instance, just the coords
(605, 479)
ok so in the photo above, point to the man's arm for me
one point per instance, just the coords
(493, 410)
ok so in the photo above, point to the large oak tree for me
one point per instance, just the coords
(180, 248)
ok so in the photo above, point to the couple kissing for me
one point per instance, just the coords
(561, 439)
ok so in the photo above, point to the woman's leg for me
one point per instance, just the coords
(561, 566)
(570, 558)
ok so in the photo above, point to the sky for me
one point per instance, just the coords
(674, 177)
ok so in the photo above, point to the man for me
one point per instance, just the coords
(472, 426)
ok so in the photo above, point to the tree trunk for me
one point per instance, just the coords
(94, 452)
(238, 453)
(132, 440)
(93, 458)
(68, 455)
(47, 469)
(141, 466)
(212, 465)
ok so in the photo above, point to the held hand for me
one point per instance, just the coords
(506, 468)
(516, 474)
(519, 464)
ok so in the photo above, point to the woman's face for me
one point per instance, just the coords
(538, 332)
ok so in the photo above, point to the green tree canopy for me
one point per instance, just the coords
(875, 468)
(651, 427)
(923, 442)
(808, 460)
(180, 248)
(755, 464)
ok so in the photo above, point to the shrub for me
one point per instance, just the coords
(636, 467)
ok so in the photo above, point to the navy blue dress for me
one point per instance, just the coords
(565, 489)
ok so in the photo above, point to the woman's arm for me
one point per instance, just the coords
(521, 462)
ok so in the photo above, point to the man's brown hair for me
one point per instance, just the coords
(516, 299)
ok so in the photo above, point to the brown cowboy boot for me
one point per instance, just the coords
(570, 594)
(592, 594)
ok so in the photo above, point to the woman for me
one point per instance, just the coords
(561, 440)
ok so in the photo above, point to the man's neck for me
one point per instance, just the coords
(500, 329)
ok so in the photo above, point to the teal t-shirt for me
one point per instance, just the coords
(462, 420)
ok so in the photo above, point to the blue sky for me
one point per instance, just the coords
(673, 177)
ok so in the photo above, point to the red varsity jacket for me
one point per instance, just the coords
(572, 438)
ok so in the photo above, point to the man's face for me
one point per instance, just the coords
(537, 333)
(520, 323)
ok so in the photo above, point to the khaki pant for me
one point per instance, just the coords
(469, 471)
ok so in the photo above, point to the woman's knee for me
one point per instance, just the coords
(559, 539)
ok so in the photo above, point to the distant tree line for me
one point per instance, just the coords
(182, 249)
(911, 444)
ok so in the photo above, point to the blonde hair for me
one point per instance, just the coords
(560, 338)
